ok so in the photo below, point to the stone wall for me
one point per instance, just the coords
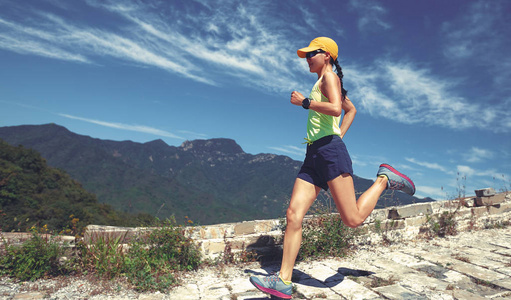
(393, 224)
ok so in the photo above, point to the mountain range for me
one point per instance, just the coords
(202, 181)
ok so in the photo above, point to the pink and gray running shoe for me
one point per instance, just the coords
(397, 181)
(273, 285)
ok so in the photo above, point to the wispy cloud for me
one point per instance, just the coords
(136, 128)
(480, 37)
(433, 192)
(192, 134)
(212, 45)
(469, 171)
(371, 15)
(28, 40)
(433, 166)
(477, 155)
(408, 94)
(291, 150)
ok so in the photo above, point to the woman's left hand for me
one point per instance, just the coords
(297, 98)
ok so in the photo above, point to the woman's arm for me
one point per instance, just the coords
(349, 114)
(330, 87)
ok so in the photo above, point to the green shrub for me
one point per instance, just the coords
(443, 225)
(149, 263)
(104, 256)
(152, 261)
(36, 258)
(326, 235)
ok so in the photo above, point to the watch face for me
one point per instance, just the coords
(306, 103)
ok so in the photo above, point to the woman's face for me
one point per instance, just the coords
(315, 59)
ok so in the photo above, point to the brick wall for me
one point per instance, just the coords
(393, 224)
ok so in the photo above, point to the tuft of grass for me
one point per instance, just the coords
(460, 257)
(326, 235)
(151, 263)
(36, 258)
(443, 225)
(384, 231)
(499, 224)
(104, 256)
(379, 282)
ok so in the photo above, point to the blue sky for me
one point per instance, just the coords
(431, 80)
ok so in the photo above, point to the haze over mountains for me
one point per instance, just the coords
(209, 181)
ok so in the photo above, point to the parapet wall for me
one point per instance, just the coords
(392, 224)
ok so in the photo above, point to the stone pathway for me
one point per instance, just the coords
(471, 265)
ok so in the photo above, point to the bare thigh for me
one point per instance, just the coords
(304, 194)
(343, 193)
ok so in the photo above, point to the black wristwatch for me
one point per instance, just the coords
(306, 103)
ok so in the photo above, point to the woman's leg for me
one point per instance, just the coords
(304, 194)
(354, 212)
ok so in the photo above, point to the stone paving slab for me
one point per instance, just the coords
(313, 288)
(398, 292)
(355, 290)
(486, 256)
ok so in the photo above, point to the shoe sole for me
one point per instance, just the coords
(399, 174)
(270, 291)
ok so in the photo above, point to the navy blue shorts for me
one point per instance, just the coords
(326, 159)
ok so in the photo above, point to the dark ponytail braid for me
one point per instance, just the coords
(339, 73)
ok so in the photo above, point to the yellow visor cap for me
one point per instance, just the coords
(323, 43)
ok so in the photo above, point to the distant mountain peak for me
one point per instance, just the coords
(158, 143)
(221, 145)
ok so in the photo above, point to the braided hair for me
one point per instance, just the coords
(339, 73)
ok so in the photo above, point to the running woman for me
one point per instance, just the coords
(327, 163)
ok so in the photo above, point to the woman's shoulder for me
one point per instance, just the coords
(330, 78)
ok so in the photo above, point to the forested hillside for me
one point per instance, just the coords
(34, 194)
(209, 181)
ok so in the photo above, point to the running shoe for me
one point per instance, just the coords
(273, 285)
(396, 180)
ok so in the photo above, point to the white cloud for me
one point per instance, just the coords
(477, 154)
(433, 192)
(372, 15)
(480, 37)
(433, 166)
(407, 94)
(26, 40)
(466, 170)
(469, 171)
(292, 150)
(209, 45)
(137, 128)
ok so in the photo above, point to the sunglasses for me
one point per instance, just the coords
(313, 53)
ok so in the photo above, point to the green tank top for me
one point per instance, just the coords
(320, 125)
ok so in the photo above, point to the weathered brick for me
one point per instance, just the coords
(266, 225)
(392, 224)
(245, 228)
(410, 211)
(485, 192)
(490, 200)
(416, 221)
(479, 212)
(499, 208)
(213, 247)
